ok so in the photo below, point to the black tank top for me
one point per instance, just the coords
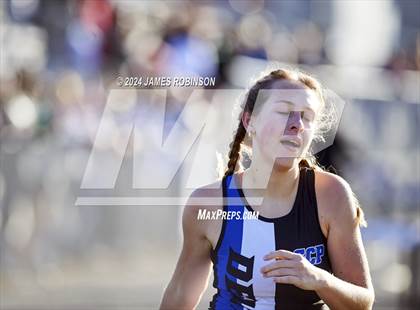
(238, 255)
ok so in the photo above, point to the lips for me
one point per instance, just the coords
(292, 142)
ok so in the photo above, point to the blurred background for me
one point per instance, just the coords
(59, 61)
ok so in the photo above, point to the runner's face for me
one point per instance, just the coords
(285, 124)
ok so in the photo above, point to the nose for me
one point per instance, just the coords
(294, 123)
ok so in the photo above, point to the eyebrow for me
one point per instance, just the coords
(293, 104)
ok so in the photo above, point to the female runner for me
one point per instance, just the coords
(304, 251)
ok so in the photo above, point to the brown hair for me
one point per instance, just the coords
(297, 78)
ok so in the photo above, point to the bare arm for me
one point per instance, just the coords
(350, 287)
(192, 270)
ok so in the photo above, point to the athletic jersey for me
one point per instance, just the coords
(238, 255)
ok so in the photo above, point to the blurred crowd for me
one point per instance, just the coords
(59, 61)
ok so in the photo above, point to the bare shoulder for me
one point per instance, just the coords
(209, 197)
(335, 199)
(332, 187)
(204, 199)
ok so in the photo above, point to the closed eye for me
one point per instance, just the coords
(308, 116)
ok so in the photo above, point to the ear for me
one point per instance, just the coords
(246, 121)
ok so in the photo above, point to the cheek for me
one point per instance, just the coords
(307, 138)
(270, 132)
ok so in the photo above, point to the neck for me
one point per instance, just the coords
(270, 181)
